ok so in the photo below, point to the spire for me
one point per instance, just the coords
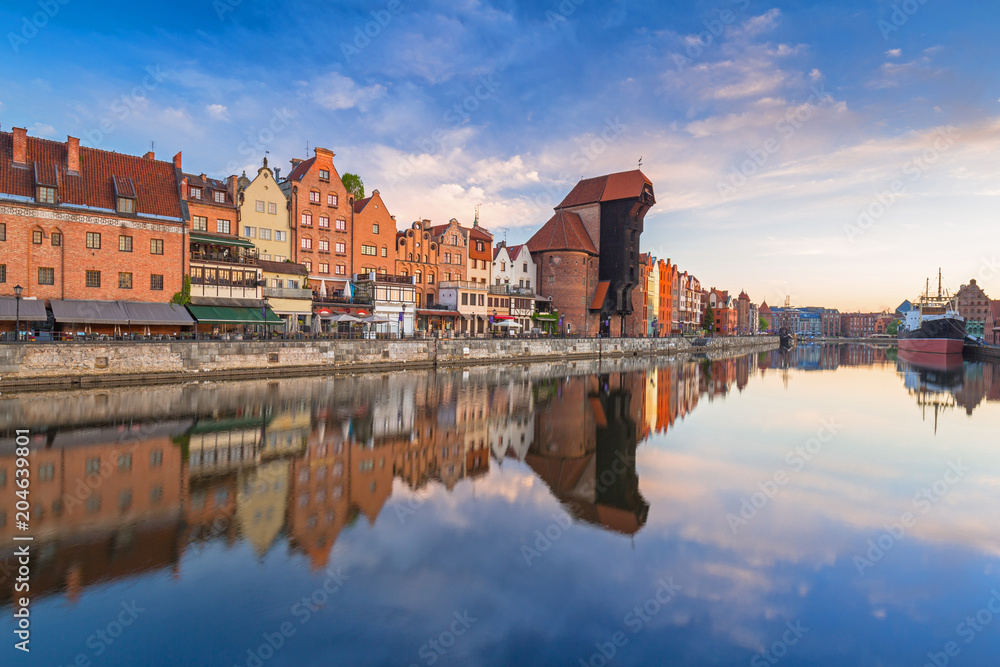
(475, 223)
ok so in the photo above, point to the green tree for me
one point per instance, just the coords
(893, 328)
(709, 321)
(763, 323)
(355, 186)
(183, 297)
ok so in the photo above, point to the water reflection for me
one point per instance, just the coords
(425, 487)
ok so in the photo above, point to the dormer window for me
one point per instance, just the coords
(46, 195)
(126, 205)
(195, 193)
(220, 197)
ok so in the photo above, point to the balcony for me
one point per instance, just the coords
(287, 293)
(511, 290)
(223, 258)
(383, 278)
(341, 300)
(462, 284)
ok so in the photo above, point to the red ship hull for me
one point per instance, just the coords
(932, 345)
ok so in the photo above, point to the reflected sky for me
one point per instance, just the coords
(802, 507)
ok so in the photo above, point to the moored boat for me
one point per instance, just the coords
(934, 326)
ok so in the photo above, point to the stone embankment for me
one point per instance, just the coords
(49, 365)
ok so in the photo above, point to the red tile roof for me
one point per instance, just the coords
(623, 185)
(563, 231)
(764, 308)
(479, 233)
(360, 204)
(514, 250)
(300, 171)
(154, 182)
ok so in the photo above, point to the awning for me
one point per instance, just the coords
(546, 317)
(88, 312)
(30, 309)
(439, 313)
(599, 294)
(500, 318)
(224, 315)
(157, 314)
(216, 240)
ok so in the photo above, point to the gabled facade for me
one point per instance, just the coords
(322, 215)
(264, 216)
(416, 254)
(374, 246)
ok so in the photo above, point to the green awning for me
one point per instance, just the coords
(199, 238)
(545, 317)
(226, 315)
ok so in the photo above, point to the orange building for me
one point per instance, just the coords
(374, 244)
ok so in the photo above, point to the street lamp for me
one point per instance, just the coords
(263, 313)
(17, 312)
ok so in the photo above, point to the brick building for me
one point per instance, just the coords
(973, 305)
(374, 243)
(666, 303)
(84, 227)
(858, 325)
(322, 215)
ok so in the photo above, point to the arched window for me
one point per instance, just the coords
(430, 278)
(404, 273)
(417, 275)
(411, 256)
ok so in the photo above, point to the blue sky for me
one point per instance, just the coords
(839, 152)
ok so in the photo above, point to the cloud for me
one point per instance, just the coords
(893, 53)
(218, 111)
(335, 91)
(43, 130)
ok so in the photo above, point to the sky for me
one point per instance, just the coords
(838, 153)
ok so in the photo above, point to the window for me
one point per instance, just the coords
(57, 238)
(341, 270)
(368, 249)
(220, 197)
(324, 174)
(46, 472)
(272, 208)
(307, 243)
(465, 299)
(199, 223)
(342, 247)
(3, 231)
(324, 222)
(417, 275)
(46, 276)
(314, 196)
(276, 282)
(308, 265)
(324, 268)
(222, 226)
(126, 205)
(259, 205)
(155, 246)
(479, 246)
(324, 245)
(430, 278)
(36, 236)
(93, 465)
(331, 199)
(524, 267)
(195, 193)
(481, 299)
(375, 228)
(458, 259)
(124, 462)
(307, 219)
(447, 258)
(263, 234)
(3, 273)
(94, 240)
(341, 225)
(124, 280)
(250, 232)
(93, 278)
(156, 283)
(385, 251)
(280, 235)
(46, 195)
(124, 243)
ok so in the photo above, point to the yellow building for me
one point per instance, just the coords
(263, 215)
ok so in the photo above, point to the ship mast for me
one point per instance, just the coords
(939, 282)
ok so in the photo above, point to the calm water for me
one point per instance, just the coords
(831, 506)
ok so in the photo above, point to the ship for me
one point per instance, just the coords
(934, 325)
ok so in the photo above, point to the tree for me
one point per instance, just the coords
(763, 323)
(355, 186)
(893, 328)
(709, 322)
(183, 297)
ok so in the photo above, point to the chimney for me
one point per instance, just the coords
(72, 155)
(149, 156)
(177, 160)
(232, 184)
(295, 162)
(20, 147)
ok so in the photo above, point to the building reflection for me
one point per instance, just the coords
(941, 384)
(121, 491)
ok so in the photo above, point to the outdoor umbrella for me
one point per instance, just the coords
(508, 324)
(376, 319)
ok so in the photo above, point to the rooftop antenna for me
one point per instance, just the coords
(640, 162)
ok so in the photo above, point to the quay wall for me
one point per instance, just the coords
(50, 365)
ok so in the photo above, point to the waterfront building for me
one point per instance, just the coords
(973, 305)
(286, 288)
(743, 314)
(514, 265)
(588, 252)
(417, 254)
(653, 290)
(480, 244)
(767, 316)
(391, 297)
(469, 300)
(83, 231)
(991, 327)
(689, 319)
(637, 321)
(857, 325)
(723, 311)
(665, 312)
(374, 244)
(322, 216)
